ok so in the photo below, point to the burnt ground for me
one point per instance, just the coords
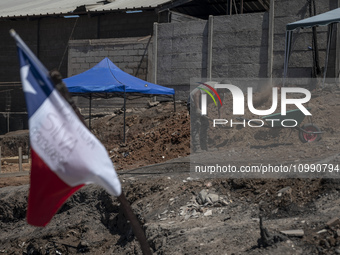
(180, 214)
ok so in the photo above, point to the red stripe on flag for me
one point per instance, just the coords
(47, 193)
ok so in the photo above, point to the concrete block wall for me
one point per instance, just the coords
(181, 54)
(129, 54)
(240, 47)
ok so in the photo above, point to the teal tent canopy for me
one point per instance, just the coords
(328, 18)
(323, 19)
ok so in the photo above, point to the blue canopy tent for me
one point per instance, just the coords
(107, 80)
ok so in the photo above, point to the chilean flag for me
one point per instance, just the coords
(65, 154)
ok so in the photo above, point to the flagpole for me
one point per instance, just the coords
(125, 205)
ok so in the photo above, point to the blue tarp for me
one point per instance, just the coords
(106, 77)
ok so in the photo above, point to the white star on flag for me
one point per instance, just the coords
(27, 87)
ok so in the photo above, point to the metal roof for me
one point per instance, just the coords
(129, 4)
(23, 8)
(196, 8)
(202, 9)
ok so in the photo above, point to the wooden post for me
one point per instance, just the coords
(154, 51)
(229, 7)
(7, 122)
(136, 227)
(337, 50)
(271, 40)
(210, 46)
(20, 159)
(0, 159)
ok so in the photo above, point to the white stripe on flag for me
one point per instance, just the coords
(69, 148)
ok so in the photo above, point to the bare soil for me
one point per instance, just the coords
(153, 166)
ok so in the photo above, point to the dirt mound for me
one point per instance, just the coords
(157, 134)
(11, 142)
(165, 198)
(153, 135)
(175, 223)
(324, 106)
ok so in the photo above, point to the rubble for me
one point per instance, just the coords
(332, 222)
(322, 231)
(286, 190)
(173, 212)
(154, 103)
(268, 239)
(208, 213)
(293, 232)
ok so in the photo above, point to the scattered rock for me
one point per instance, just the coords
(324, 243)
(322, 231)
(227, 218)
(293, 232)
(206, 198)
(213, 198)
(224, 202)
(32, 249)
(152, 104)
(268, 239)
(208, 213)
(285, 190)
(202, 197)
(333, 222)
(83, 246)
(164, 212)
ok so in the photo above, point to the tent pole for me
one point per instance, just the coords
(174, 103)
(90, 111)
(124, 113)
(285, 60)
(316, 65)
(330, 32)
(287, 53)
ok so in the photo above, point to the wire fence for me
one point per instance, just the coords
(13, 113)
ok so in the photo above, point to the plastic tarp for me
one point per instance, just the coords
(106, 77)
(323, 19)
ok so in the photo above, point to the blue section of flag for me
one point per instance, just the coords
(35, 78)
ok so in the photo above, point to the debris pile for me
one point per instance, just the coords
(204, 204)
